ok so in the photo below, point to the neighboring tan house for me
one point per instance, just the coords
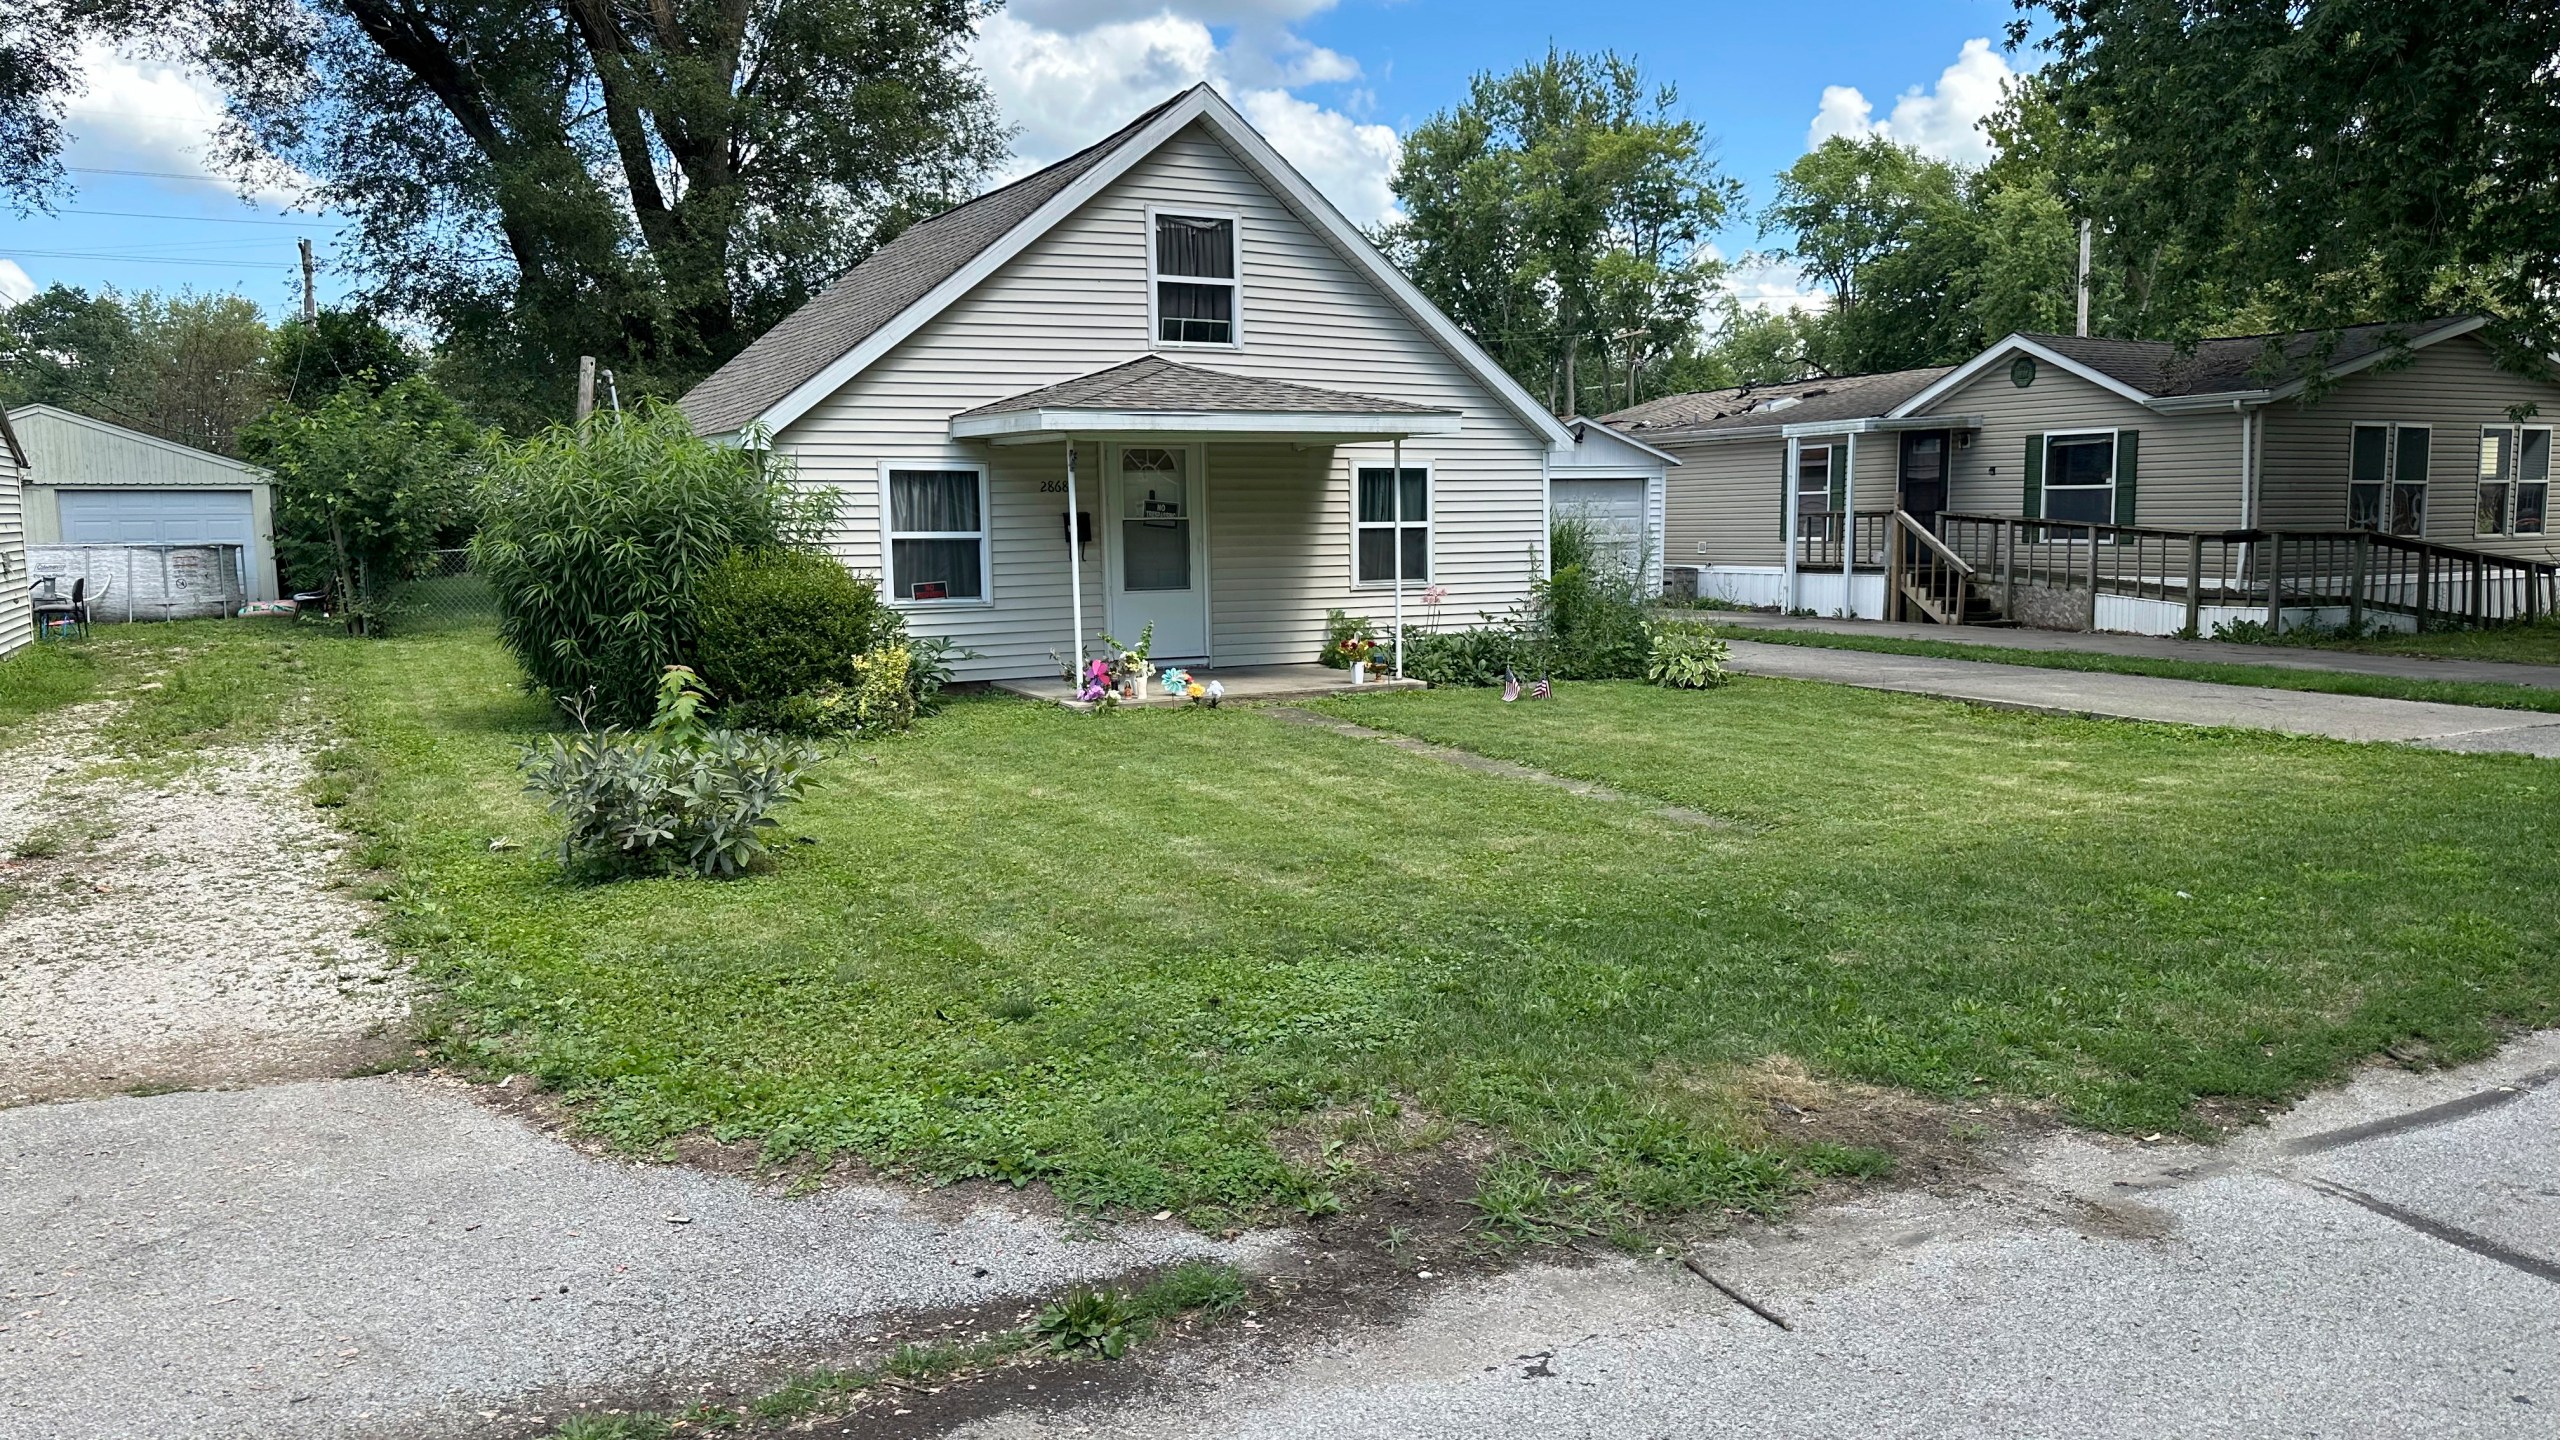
(16, 626)
(103, 493)
(2415, 483)
(1171, 358)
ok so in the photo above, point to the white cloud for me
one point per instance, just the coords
(1945, 122)
(14, 284)
(1764, 284)
(130, 112)
(1068, 72)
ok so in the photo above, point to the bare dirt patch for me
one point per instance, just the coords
(1933, 1142)
(166, 932)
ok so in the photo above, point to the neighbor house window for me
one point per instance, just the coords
(937, 535)
(1376, 528)
(2533, 479)
(1196, 291)
(1813, 492)
(2515, 480)
(2080, 477)
(2497, 474)
(2387, 478)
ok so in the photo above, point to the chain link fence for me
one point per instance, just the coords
(447, 595)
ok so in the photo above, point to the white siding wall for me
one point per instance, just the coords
(2454, 386)
(14, 624)
(1279, 521)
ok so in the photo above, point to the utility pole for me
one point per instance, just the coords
(586, 386)
(310, 300)
(2084, 279)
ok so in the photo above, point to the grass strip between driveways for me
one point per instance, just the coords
(1210, 962)
(2211, 672)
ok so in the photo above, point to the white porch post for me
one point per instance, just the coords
(1396, 481)
(1787, 586)
(1849, 531)
(1075, 574)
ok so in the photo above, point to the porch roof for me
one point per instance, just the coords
(1153, 395)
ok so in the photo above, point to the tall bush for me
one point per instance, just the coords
(595, 538)
(1588, 614)
(366, 485)
(781, 629)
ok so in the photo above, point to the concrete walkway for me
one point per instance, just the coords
(2382, 1261)
(2181, 702)
(2162, 647)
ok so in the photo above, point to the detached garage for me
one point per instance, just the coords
(92, 483)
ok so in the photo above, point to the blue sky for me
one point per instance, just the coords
(1334, 82)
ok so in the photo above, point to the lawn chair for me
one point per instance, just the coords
(51, 609)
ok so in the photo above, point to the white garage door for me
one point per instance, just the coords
(156, 517)
(1613, 508)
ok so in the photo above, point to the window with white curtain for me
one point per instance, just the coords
(1197, 291)
(937, 534)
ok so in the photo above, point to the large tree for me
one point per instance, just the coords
(651, 181)
(2326, 161)
(1561, 216)
(189, 368)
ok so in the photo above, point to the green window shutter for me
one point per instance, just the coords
(2128, 453)
(2034, 503)
(1839, 476)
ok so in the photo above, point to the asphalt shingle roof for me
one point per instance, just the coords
(1744, 407)
(2231, 362)
(879, 289)
(1155, 383)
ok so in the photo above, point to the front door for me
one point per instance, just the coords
(1158, 550)
(1924, 475)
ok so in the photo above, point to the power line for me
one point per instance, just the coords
(206, 219)
(151, 175)
(243, 264)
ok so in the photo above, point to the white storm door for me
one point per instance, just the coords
(1157, 550)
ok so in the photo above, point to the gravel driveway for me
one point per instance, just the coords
(161, 931)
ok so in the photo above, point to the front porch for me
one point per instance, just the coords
(1242, 684)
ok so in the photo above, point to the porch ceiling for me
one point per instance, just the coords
(1155, 396)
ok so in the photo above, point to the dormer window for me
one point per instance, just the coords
(1196, 289)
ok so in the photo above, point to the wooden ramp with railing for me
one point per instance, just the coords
(1975, 569)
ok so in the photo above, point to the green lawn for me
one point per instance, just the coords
(2267, 677)
(2535, 644)
(1120, 953)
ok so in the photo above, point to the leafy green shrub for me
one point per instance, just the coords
(1468, 657)
(675, 795)
(1341, 628)
(596, 536)
(1589, 613)
(931, 673)
(1687, 655)
(779, 627)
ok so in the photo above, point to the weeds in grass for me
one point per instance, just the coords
(1097, 1320)
(42, 678)
(42, 843)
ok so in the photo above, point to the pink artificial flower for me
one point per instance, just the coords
(1434, 594)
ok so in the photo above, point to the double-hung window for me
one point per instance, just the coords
(1376, 527)
(937, 528)
(1813, 492)
(2080, 477)
(2387, 478)
(2515, 479)
(1194, 274)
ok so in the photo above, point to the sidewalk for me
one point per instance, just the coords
(2182, 702)
(2159, 647)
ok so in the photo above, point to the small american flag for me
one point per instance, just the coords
(1541, 690)
(1510, 685)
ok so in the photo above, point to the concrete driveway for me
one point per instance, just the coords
(2384, 1261)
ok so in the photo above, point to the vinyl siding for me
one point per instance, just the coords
(1726, 504)
(76, 452)
(2454, 386)
(15, 625)
(2188, 476)
(1279, 519)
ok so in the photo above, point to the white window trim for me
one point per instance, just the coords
(1830, 477)
(1155, 327)
(1430, 524)
(2046, 487)
(2391, 474)
(985, 537)
(2516, 482)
